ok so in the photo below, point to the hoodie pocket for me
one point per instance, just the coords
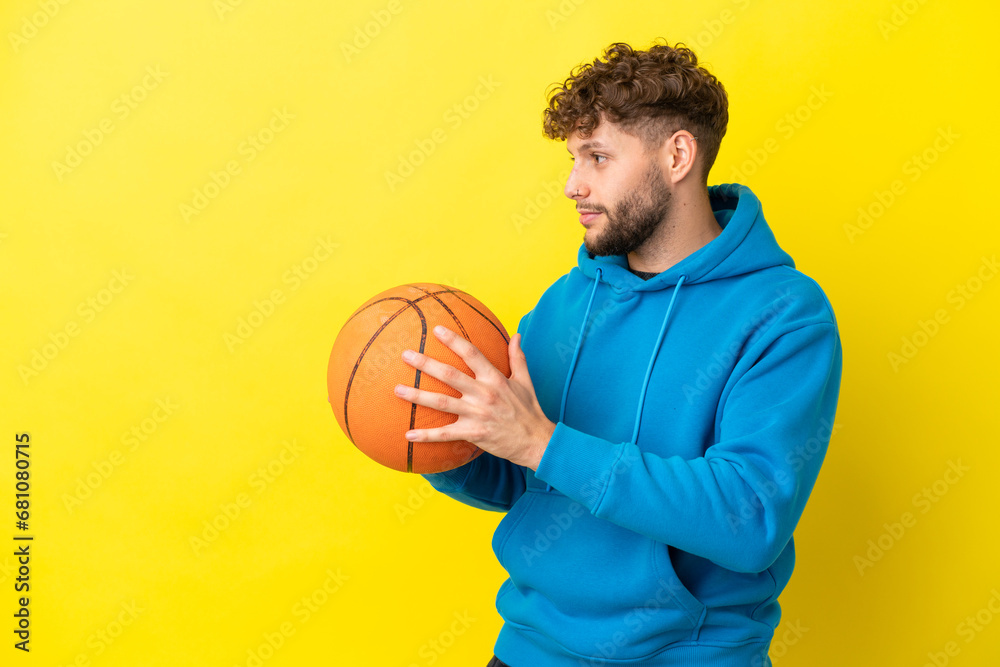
(672, 590)
(510, 520)
(595, 588)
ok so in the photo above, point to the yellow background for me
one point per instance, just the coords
(868, 84)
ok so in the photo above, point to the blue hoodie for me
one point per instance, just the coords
(693, 413)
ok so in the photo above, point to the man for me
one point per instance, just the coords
(682, 389)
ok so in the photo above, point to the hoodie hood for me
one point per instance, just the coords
(746, 244)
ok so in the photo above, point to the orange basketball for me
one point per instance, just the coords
(366, 364)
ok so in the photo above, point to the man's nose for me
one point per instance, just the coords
(575, 188)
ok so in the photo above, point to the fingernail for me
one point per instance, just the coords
(440, 330)
(400, 390)
(410, 435)
(408, 355)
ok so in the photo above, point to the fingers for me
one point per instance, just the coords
(441, 434)
(468, 352)
(441, 402)
(518, 362)
(450, 375)
(481, 396)
(429, 399)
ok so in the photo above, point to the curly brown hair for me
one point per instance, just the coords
(650, 94)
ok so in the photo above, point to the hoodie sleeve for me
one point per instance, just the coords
(487, 482)
(738, 504)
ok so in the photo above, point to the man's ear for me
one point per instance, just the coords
(678, 155)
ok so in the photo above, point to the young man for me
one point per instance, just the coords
(683, 382)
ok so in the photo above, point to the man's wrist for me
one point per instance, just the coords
(541, 442)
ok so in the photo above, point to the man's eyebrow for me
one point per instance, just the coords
(587, 145)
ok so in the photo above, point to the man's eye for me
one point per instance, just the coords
(598, 158)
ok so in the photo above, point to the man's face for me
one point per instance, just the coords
(622, 196)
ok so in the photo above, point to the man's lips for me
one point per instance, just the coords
(587, 216)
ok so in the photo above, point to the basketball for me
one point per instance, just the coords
(366, 364)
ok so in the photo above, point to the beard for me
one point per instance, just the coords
(633, 218)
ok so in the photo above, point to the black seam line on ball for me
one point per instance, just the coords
(458, 295)
(357, 364)
(481, 313)
(409, 303)
(400, 298)
(434, 295)
(416, 385)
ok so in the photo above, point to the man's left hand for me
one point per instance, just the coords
(499, 415)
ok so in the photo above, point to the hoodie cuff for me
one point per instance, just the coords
(579, 465)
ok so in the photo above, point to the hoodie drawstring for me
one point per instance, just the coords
(579, 344)
(576, 352)
(652, 359)
(649, 368)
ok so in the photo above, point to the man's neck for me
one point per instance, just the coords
(690, 226)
